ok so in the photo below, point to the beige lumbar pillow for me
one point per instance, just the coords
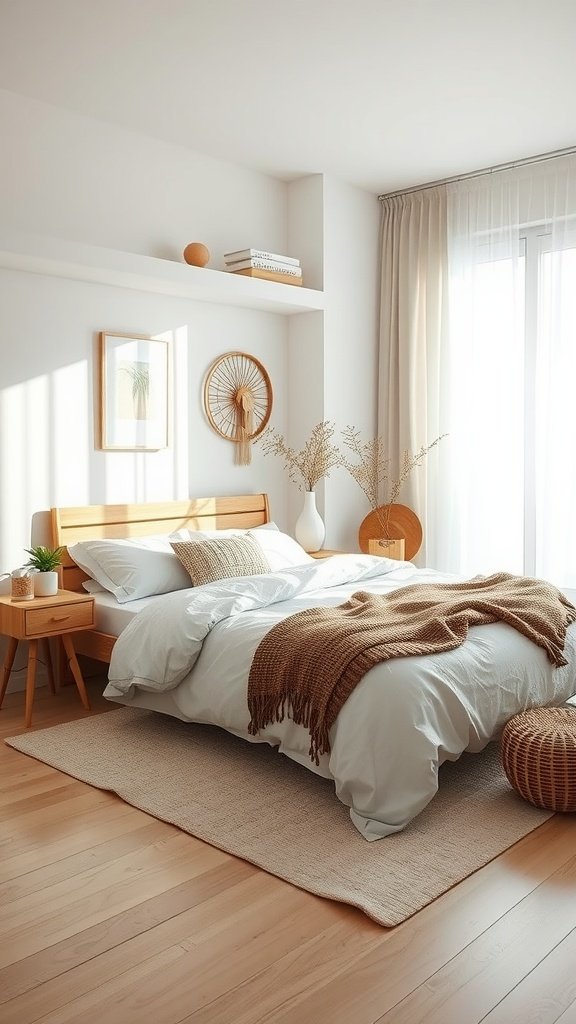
(217, 559)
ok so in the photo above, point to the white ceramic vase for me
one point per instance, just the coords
(45, 584)
(309, 529)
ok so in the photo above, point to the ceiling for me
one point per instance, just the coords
(383, 94)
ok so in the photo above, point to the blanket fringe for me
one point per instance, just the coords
(266, 709)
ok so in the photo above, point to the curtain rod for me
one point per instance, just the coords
(478, 174)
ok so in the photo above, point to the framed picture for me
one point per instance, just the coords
(134, 386)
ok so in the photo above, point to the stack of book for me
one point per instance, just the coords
(269, 266)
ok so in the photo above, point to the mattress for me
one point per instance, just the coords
(111, 617)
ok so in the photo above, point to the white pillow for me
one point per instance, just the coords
(211, 534)
(282, 551)
(142, 566)
(93, 587)
(134, 568)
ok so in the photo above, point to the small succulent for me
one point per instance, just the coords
(44, 559)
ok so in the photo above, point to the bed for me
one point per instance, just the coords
(187, 653)
(88, 522)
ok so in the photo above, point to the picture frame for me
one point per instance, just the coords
(134, 393)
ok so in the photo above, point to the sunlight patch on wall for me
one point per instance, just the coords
(25, 464)
(15, 425)
(180, 412)
(69, 434)
(43, 453)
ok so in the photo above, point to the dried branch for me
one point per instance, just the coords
(372, 471)
(313, 462)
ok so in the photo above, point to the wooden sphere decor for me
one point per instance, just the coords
(196, 254)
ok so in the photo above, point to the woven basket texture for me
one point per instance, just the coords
(538, 749)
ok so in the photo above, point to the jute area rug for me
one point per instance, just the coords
(252, 802)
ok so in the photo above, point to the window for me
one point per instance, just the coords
(513, 368)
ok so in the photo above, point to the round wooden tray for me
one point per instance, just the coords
(402, 523)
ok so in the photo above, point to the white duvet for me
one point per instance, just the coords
(189, 654)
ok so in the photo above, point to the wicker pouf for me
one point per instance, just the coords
(539, 756)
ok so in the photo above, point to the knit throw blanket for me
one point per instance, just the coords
(308, 665)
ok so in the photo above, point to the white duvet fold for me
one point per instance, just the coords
(162, 643)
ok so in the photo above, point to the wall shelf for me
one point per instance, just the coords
(75, 261)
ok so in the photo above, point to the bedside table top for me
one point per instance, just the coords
(62, 597)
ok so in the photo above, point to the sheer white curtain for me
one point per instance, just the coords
(494, 368)
(550, 537)
(482, 462)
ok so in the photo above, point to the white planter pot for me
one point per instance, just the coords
(309, 529)
(45, 584)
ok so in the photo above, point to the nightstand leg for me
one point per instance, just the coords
(48, 656)
(31, 680)
(8, 662)
(75, 669)
(60, 663)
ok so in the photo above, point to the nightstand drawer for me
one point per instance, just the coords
(59, 618)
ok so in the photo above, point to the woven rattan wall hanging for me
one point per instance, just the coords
(238, 400)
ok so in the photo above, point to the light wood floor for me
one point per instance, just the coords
(109, 916)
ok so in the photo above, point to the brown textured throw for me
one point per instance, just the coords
(308, 665)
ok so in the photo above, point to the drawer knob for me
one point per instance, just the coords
(59, 618)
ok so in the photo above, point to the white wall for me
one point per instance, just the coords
(333, 356)
(306, 350)
(49, 397)
(351, 287)
(73, 177)
(76, 178)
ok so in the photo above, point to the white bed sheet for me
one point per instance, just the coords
(405, 718)
(111, 617)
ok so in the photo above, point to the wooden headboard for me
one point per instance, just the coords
(92, 522)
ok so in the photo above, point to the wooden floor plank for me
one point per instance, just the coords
(569, 1017)
(260, 931)
(384, 977)
(66, 868)
(144, 984)
(36, 777)
(54, 976)
(51, 844)
(545, 993)
(26, 931)
(14, 826)
(286, 981)
(479, 977)
(45, 796)
(158, 849)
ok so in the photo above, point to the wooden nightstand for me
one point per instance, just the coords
(325, 553)
(38, 620)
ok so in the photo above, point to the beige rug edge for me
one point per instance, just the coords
(376, 878)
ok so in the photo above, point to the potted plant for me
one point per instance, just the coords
(45, 561)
